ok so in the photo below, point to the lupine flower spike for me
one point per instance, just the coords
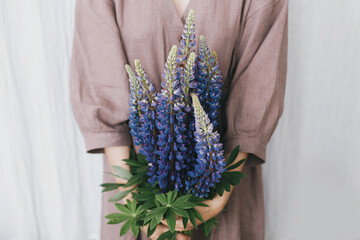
(210, 155)
(209, 80)
(147, 130)
(170, 122)
(187, 38)
(135, 109)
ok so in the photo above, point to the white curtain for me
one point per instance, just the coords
(49, 187)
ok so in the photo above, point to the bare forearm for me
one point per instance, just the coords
(115, 156)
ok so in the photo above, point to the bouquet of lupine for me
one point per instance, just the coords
(181, 160)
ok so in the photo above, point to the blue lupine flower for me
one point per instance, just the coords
(164, 123)
(209, 81)
(188, 86)
(187, 38)
(171, 124)
(135, 109)
(210, 159)
(147, 129)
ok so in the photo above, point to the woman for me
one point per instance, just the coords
(250, 38)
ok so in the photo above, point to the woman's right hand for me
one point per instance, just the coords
(160, 229)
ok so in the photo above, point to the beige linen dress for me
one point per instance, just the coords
(250, 38)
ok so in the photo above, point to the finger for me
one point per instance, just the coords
(180, 236)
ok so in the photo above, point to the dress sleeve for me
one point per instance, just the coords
(257, 87)
(99, 86)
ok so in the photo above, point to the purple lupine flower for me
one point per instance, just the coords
(135, 109)
(171, 125)
(209, 81)
(210, 159)
(187, 38)
(188, 86)
(147, 129)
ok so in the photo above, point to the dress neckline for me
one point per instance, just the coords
(171, 14)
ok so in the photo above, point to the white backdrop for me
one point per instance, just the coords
(49, 186)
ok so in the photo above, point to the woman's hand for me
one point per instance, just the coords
(215, 205)
(160, 229)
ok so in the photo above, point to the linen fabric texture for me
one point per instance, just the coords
(250, 38)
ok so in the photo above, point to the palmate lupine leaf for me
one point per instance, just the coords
(170, 204)
(131, 213)
(208, 226)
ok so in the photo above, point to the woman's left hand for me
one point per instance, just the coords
(215, 205)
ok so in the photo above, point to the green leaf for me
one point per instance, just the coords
(122, 172)
(234, 153)
(134, 163)
(161, 199)
(173, 236)
(133, 181)
(131, 205)
(207, 228)
(110, 173)
(143, 196)
(120, 195)
(197, 201)
(125, 228)
(208, 225)
(165, 235)
(155, 213)
(135, 229)
(139, 210)
(198, 215)
(114, 221)
(184, 205)
(174, 196)
(182, 199)
(226, 184)
(235, 165)
(169, 196)
(150, 231)
(201, 204)
(170, 219)
(141, 170)
(142, 158)
(220, 188)
(153, 223)
(110, 186)
(123, 208)
(132, 153)
(149, 204)
(181, 212)
(185, 221)
(192, 218)
(235, 174)
(117, 216)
